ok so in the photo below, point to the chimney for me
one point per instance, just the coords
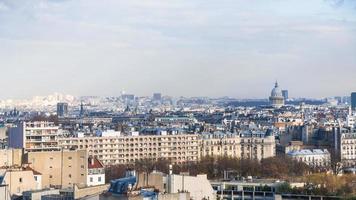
(92, 160)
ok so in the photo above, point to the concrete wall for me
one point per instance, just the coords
(4, 192)
(199, 187)
(10, 157)
(174, 196)
(153, 179)
(38, 179)
(89, 191)
(3, 131)
(37, 195)
(19, 181)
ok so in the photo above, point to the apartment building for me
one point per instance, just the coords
(60, 169)
(314, 157)
(128, 149)
(247, 144)
(348, 147)
(176, 148)
(34, 136)
(220, 144)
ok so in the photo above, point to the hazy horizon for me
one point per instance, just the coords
(232, 48)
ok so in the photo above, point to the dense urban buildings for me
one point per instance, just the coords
(79, 152)
(176, 100)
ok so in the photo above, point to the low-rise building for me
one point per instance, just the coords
(96, 172)
(20, 179)
(314, 157)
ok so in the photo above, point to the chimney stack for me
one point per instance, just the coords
(92, 160)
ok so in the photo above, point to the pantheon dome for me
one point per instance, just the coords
(276, 99)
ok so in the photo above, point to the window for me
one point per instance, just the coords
(91, 179)
(99, 179)
(82, 166)
(70, 158)
(35, 178)
(20, 180)
(70, 175)
(50, 176)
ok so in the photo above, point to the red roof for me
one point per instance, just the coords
(96, 163)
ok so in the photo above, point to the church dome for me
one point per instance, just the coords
(276, 91)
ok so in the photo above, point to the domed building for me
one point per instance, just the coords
(276, 99)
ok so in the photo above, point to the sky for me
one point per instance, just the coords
(212, 48)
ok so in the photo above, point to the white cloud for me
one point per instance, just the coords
(175, 46)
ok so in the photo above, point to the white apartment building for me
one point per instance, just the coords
(251, 146)
(314, 157)
(348, 147)
(34, 136)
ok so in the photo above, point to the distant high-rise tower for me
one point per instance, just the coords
(276, 99)
(285, 94)
(62, 109)
(353, 101)
(157, 96)
(81, 113)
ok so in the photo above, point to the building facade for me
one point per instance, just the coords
(198, 186)
(177, 149)
(128, 149)
(11, 157)
(245, 145)
(34, 136)
(314, 157)
(348, 147)
(20, 179)
(61, 169)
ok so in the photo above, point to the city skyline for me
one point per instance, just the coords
(203, 48)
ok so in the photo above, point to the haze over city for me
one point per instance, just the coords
(178, 99)
(180, 48)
